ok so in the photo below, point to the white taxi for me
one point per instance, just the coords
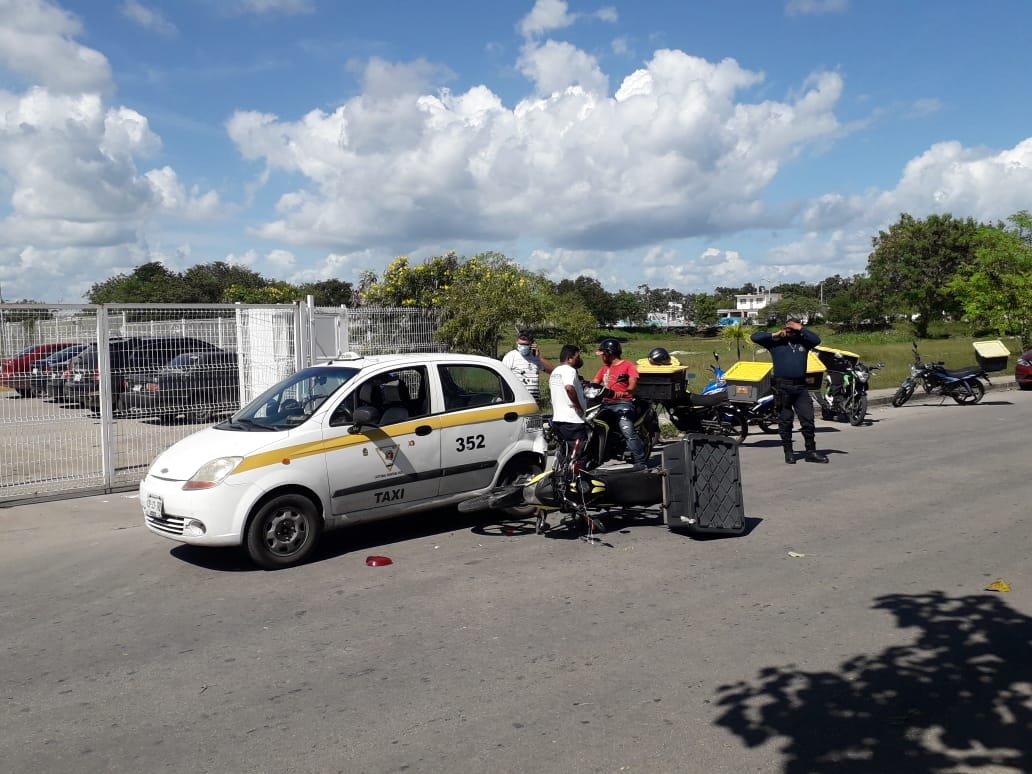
(346, 441)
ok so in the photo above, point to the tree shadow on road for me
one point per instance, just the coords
(958, 699)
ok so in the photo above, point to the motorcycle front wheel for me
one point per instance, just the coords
(973, 393)
(858, 410)
(903, 394)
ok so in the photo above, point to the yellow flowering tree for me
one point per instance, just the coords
(484, 299)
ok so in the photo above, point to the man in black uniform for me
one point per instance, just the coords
(789, 348)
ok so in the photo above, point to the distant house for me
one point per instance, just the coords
(747, 305)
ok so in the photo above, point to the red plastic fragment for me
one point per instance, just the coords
(378, 561)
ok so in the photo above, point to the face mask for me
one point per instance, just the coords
(523, 349)
(579, 362)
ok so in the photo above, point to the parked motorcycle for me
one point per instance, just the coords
(709, 411)
(964, 385)
(845, 392)
(764, 413)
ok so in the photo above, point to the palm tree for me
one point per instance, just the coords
(736, 333)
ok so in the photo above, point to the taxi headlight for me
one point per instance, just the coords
(212, 473)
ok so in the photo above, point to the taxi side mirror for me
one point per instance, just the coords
(368, 416)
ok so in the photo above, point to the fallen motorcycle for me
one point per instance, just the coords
(574, 491)
(698, 486)
(964, 385)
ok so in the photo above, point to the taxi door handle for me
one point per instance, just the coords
(424, 430)
(511, 416)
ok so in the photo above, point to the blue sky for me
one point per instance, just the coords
(682, 144)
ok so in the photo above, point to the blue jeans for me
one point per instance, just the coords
(624, 411)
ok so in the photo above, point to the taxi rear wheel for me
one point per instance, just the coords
(283, 532)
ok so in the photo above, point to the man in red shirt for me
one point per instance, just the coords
(621, 377)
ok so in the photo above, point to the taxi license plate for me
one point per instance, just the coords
(153, 508)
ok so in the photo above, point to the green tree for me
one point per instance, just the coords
(491, 298)
(856, 305)
(422, 286)
(150, 283)
(594, 297)
(209, 283)
(276, 292)
(629, 307)
(913, 262)
(330, 292)
(995, 289)
(706, 306)
(789, 304)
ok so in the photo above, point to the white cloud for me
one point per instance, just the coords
(554, 66)
(675, 153)
(148, 18)
(286, 7)
(545, 16)
(815, 7)
(36, 42)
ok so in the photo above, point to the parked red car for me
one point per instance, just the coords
(16, 372)
(1023, 371)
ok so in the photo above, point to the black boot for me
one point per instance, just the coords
(789, 454)
(812, 455)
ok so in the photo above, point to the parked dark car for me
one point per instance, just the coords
(1023, 371)
(46, 375)
(128, 357)
(196, 385)
(16, 372)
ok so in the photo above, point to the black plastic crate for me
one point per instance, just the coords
(703, 485)
(661, 386)
(992, 363)
(836, 360)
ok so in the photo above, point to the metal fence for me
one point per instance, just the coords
(51, 445)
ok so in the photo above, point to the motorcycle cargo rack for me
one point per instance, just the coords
(991, 355)
(840, 360)
(702, 488)
(748, 382)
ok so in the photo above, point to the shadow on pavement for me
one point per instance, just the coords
(954, 699)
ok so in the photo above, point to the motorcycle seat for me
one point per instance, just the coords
(961, 373)
(713, 399)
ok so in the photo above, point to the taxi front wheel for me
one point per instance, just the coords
(283, 532)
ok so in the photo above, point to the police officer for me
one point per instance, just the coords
(789, 349)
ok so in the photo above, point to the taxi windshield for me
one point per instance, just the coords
(292, 401)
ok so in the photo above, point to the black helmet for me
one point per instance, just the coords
(609, 347)
(659, 356)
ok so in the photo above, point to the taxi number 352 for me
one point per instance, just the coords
(469, 443)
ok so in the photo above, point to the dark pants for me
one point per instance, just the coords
(569, 433)
(794, 400)
(624, 412)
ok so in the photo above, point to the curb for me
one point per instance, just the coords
(883, 397)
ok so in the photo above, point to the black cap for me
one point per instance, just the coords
(794, 317)
(526, 335)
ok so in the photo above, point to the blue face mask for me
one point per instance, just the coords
(523, 349)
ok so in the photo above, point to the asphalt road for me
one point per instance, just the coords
(848, 631)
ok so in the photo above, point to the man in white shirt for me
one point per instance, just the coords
(568, 402)
(526, 362)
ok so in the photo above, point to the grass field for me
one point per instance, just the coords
(891, 348)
